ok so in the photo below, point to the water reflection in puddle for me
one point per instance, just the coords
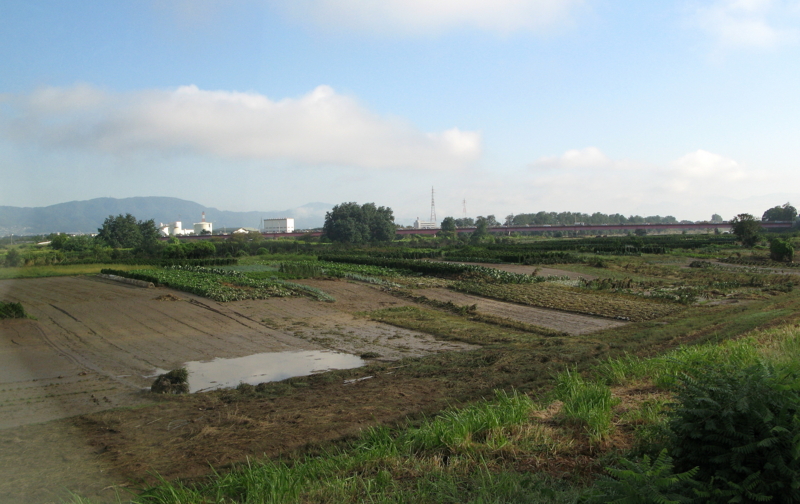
(265, 367)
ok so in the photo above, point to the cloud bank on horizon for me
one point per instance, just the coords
(684, 107)
(320, 128)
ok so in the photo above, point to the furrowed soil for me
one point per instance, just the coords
(95, 344)
(570, 323)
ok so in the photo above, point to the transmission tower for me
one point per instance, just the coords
(465, 208)
(433, 207)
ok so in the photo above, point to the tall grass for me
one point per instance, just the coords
(779, 345)
(586, 403)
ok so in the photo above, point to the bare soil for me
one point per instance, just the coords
(95, 344)
(570, 323)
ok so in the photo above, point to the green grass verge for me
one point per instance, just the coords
(448, 326)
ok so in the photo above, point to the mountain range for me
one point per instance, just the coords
(87, 216)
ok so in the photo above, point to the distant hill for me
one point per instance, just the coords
(87, 216)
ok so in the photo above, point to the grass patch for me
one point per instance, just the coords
(586, 403)
(448, 326)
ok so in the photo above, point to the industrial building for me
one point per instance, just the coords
(202, 227)
(418, 224)
(284, 225)
(173, 229)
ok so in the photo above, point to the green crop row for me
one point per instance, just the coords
(441, 269)
(220, 285)
(519, 257)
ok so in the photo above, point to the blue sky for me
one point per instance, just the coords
(678, 107)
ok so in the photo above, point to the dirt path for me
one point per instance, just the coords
(552, 319)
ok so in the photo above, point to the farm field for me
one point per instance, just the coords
(571, 323)
(573, 300)
(73, 414)
(95, 344)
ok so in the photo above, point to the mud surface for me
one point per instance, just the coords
(570, 323)
(94, 345)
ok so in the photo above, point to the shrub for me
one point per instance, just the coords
(644, 483)
(740, 425)
(781, 250)
(173, 382)
(11, 310)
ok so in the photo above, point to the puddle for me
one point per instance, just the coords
(264, 367)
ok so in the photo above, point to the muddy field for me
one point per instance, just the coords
(75, 413)
(570, 323)
(95, 344)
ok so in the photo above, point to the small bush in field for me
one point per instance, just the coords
(740, 425)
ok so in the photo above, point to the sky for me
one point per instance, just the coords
(678, 107)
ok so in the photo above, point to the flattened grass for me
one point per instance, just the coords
(448, 326)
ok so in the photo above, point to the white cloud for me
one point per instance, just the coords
(736, 24)
(696, 183)
(590, 157)
(322, 128)
(416, 16)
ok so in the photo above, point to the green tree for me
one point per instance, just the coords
(124, 231)
(780, 213)
(481, 230)
(448, 224)
(351, 223)
(149, 243)
(13, 258)
(747, 229)
(121, 231)
(58, 241)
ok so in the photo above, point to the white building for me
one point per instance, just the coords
(284, 225)
(202, 227)
(418, 224)
(173, 229)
